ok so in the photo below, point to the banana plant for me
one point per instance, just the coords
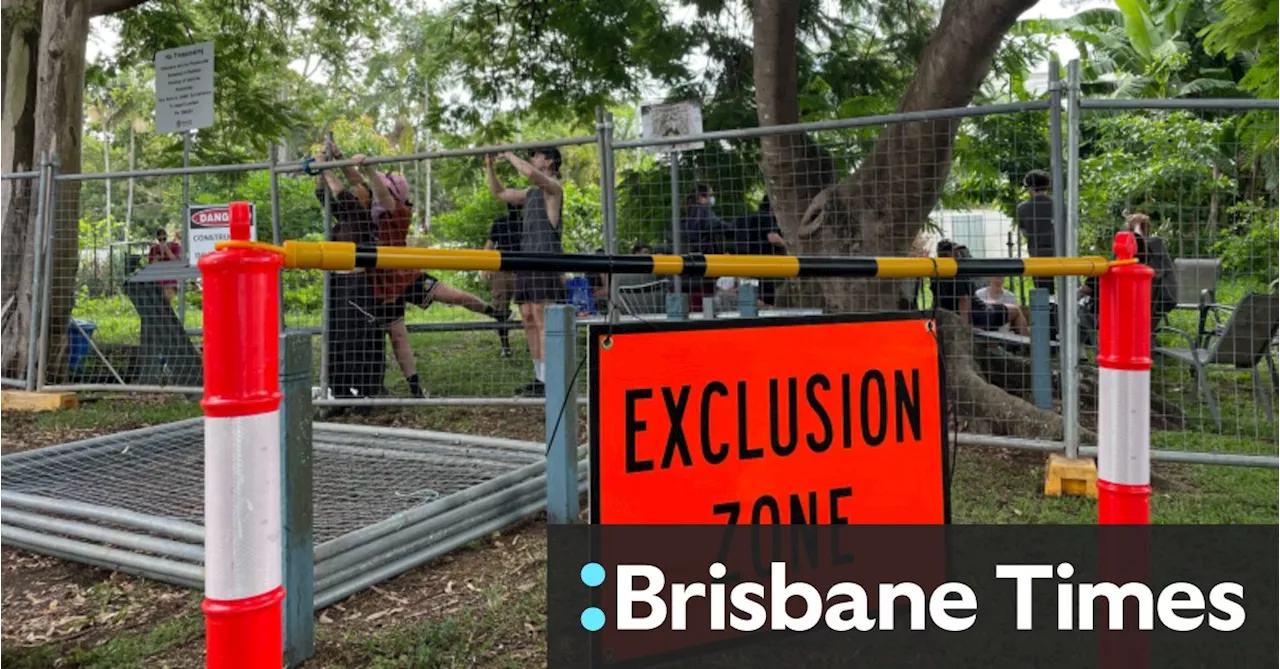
(1141, 49)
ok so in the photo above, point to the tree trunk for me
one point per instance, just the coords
(21, 41)
(58, 129)
(879, 210)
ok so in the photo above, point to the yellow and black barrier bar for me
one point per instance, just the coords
(342, 256)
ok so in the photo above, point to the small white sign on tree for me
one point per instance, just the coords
(676, 119)
(184, 88)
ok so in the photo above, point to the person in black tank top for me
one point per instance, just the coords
(543, 205)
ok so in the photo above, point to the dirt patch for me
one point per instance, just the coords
(22, 433)
(49, 601)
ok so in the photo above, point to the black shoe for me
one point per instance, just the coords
(535, 389)
(506, 352)
(415, 386)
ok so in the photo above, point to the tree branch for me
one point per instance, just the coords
(105, 7)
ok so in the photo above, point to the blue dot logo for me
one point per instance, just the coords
(592, 619)
(592, 574)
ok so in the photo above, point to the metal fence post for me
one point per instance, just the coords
(296, 496)
(46, 296)
(33, 327)
(675, 221)
(604, 127)
(747, 300)
(275, 221)
(560, 350)
(1069, 334)
(1055, 171)
(1041, 378)
(325, 295)
(186, 224)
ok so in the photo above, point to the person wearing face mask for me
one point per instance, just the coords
(701, 233)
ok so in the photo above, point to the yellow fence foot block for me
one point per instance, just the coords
(21, 400)
(1075, 478)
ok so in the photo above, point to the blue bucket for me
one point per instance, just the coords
(580, 296)
(79, 344)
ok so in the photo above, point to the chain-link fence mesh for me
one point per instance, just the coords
(359, 479)
(874, 186)
(1199, 186)
(427, 335)
(130, 289)
(1205, 179)
(23, 199)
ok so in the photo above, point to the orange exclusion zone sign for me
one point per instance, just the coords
(830, 420)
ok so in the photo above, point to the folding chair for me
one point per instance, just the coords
(1198, 290)
(1245, 341)
(643, 299)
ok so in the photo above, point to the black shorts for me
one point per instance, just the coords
(539, 288)
(768, 291)
(988, 317)
(419, 293)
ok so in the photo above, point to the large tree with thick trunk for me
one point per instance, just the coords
(43, 112)
(884, 204)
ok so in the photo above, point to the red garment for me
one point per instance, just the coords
(156, 254)
(393, 230)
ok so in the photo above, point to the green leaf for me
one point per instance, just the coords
(1138, 25)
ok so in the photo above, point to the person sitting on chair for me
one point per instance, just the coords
(957, 295)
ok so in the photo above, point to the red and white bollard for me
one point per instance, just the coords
(1124, 389)
(1124, 446)
(244, 594)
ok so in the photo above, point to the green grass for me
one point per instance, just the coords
(110, 412)
(458, 640)
(1002, 488)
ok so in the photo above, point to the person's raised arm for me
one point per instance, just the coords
(349, 171)
(380, 191)
(508, 195)
(333, 182)
(541, 179)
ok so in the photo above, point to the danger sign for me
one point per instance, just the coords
(829, 421)
(209, 224)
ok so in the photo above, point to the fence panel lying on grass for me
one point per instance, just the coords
(385, 500)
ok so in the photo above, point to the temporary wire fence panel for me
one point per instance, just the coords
(136, 318)
(1209, 192)
(22, 195)
(1201, 184)
(876, 183)
(142, 492)
(434, 335)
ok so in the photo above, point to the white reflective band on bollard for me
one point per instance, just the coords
(1124, 426)
(242, 505)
